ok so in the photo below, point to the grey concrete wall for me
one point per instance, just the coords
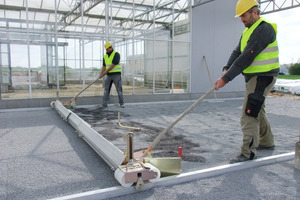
(215, 33)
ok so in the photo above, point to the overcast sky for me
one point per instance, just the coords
(288, 34)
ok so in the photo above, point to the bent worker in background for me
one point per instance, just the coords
(112, 68)
(257, 58)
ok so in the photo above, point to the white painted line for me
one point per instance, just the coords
(182, 178)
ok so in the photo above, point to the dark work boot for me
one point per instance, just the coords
(265, 148)
(104, 106)
(241, 158)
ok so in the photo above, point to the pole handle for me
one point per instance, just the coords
(163, 133)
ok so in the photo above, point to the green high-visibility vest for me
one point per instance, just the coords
(108, 63)
(266, 60)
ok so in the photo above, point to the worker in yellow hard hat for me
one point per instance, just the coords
(112, 68)
(243, 6)
(257, 58)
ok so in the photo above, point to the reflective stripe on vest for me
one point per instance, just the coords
(108, 63)
(266, 60)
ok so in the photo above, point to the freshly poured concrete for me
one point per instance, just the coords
(42, 157)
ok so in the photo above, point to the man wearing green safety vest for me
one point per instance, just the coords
(257, 58)
(112, 68)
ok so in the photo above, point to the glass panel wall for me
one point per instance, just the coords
(48, 54)
(5, 70)
(20, 75)
(181, 67)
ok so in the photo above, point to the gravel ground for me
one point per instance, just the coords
(41, 157)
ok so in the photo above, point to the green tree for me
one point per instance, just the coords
(295, 69)
(68, 70)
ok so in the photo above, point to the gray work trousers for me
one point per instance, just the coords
(117, 80)
(256, 130)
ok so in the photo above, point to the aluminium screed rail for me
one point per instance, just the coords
(104, 148)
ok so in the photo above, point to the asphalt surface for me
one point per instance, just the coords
(42, 157)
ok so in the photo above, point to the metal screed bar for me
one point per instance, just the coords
(104, 148)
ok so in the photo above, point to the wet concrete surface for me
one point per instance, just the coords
(105, 121)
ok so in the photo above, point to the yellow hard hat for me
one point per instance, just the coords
(107, 44)
(243, 6)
